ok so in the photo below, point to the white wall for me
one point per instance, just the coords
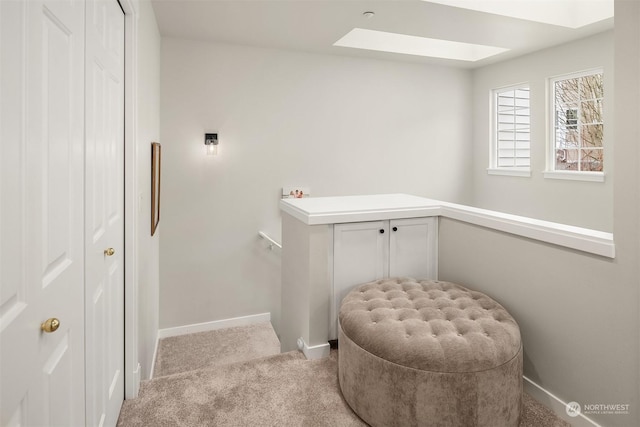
(585, 204)
(578, 313)
(330, 122)
(148, 130)
(338, 125)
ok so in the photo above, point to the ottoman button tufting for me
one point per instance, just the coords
(410, 367)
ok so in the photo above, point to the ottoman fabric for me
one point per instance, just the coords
(429, 325)
(429, 353)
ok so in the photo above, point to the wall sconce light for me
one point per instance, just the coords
(211, 142)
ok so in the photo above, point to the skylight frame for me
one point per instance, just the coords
(564, 13)
(360, 38)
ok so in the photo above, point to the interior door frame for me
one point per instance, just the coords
(131, 363)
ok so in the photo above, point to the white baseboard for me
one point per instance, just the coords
(155, 354)
(136, 380)
(557, 405)
(314, 352)
(216, 324)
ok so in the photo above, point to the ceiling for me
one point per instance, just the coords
(315, 25)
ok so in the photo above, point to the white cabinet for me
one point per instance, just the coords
(360, 254)
(366, 251)
(413, 248)
(331, 244)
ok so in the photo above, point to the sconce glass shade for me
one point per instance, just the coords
(211, 142)
(212, 149)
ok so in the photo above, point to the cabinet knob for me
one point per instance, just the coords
(395, 228)
(382, 231)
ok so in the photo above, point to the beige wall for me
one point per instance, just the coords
(148, 130)
(338, 125)
(342, 126)
(579, 313)
(585, 204)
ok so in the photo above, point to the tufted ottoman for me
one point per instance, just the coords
(429, 353)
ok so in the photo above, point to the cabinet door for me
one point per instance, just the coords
(413, 249)
(360, 255)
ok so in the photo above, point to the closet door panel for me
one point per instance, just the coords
(41, 212)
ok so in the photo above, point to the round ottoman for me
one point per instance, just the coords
(429, 353)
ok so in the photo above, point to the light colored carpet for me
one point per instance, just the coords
(537, 415)
(282, 390)
(213, 348)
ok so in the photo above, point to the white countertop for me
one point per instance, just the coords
(334, 210)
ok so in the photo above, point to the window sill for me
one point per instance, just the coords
(575, 176)
(509, 172)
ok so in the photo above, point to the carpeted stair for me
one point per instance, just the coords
(213, 348)
(199, 382)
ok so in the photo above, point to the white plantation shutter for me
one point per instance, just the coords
(512, 128)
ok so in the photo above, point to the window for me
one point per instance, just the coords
(572, 118)
(576, 142)
(510, 148)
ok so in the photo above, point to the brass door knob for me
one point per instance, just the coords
(109, 251)
(50, 325)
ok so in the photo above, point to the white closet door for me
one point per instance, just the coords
(41, 212)
(104, 222)
(360, 255)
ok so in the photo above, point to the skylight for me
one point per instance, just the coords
(565, 13)
(412, 45)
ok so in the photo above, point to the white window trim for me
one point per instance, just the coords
(575, 175)
(493, 168)
(550, 172)
(523, 172)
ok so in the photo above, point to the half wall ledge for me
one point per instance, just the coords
(344, 209)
